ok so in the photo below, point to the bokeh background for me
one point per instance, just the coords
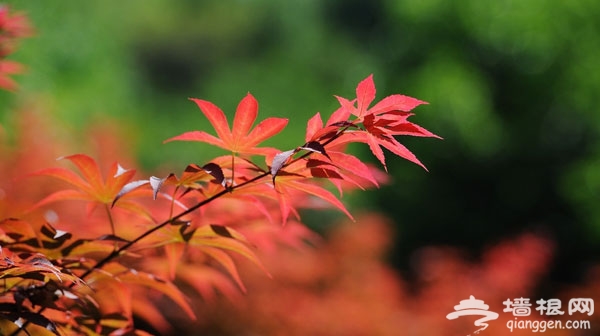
(512, 87)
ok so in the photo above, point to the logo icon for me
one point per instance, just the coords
(474, 307)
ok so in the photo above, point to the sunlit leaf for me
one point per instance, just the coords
(241, 139)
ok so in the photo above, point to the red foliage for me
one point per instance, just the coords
(158, 235)
(13, 26)
(90, 249)
(240, 139)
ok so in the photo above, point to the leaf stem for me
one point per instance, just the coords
(110, 219)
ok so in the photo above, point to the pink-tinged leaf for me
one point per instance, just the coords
(342, 113)
(314, 124)
(397, 148)
(365, 93)
(354, 165)
(279, 160)
(409, 128)
(384, 140)
(264, 130)
(260, 206)
(225, 260)
(394, 117)
(395, 103)
(199, 136)
(322, 169)
(375, 149)
(217, 119)
(347, 107)
(328, 132)
(320, 193)
(332, 173)
(245, 116)
(89, 169)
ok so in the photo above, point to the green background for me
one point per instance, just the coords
(512, 87)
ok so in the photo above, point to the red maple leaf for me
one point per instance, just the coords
(336, 156)
(365, 94)
(298, 176)
(240, 139)
(383, 121)
(9, 68)
(92, 187)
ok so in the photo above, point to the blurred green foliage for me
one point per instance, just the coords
(512, 87)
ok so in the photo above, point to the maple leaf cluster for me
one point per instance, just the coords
(143, 237)
(13, 26)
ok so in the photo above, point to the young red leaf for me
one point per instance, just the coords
(365, 93)
(375, 141)
(298, 177)
(395, 102)
(241, 139)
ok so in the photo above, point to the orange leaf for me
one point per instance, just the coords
(148, 280)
